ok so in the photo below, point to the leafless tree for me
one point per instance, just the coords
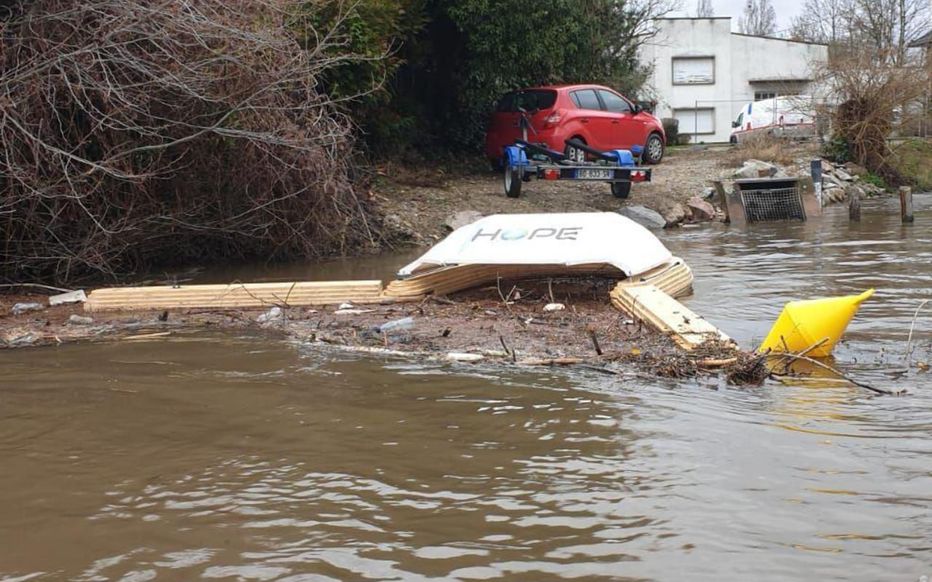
(826, 21)
(704, 9)
(758, 18)
(884, 26)
(890, 25)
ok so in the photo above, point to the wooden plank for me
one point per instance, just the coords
(812, 207)
(234, 295)
(667, 315)
(674, 279)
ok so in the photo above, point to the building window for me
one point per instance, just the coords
(761, 95)
(693, 70)
(695, 121)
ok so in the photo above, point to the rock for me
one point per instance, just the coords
(852, 189)
(832, 179)
(464, 357)
(708, 193)
(400, 228)
(756, 169)
(346, 305)
(76, 319)
(644, 216)
(70, 297)
(461, 218)
(20, 308)
(554, 307)
(856, 169)
(675, 214)
(22, 341)
(827, 167)
(700, 209)
(273, 314)
(843, 175)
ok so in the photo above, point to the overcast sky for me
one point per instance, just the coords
(786, 10)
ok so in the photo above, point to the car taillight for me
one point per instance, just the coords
(638, 175)
(553, 119)
(551, 174)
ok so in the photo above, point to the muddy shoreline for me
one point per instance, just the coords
(467, 327)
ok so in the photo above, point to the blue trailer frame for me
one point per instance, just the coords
(616, 167)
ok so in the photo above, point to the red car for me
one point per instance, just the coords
(597, 115)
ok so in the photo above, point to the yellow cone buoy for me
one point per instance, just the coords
(806, 323)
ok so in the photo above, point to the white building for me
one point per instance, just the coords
(703, 72)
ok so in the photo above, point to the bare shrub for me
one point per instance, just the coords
(136, 133)
(765, 148)
(875, 91)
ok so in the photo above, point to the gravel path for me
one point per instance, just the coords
(419, 204)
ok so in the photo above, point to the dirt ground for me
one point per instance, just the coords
(418, 202)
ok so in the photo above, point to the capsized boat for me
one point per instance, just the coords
(523, 246)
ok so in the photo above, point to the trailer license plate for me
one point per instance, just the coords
(594, 174)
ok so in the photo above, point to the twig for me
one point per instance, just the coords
(35, 285)
(595, 342)
(440, 299)
(843, 376)
(909, 339)
(508, 352)
(787, 362)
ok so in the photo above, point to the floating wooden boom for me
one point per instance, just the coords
(232, 296)
(667, 315)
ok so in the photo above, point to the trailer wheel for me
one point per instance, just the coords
(514, 175)
(621, 189)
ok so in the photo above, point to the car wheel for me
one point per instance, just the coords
(514, 175)
(733, 140)
(653, 149)
(621, 189)
(575, 155)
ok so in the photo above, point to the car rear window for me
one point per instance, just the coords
(530, 100)
(586, 99)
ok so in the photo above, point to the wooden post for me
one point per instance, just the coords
(815, 171)
(854, 204)
(906, 204)
(722, 198)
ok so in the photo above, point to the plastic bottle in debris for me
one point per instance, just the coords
(397, 325)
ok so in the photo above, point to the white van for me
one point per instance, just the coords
(791, 116)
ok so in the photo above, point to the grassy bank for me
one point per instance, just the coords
(913, 159)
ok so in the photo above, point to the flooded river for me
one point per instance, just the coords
(235, 457)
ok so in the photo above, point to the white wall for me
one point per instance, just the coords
(738, 60)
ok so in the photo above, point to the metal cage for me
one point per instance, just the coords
(771, 199)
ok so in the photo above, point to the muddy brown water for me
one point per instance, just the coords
(237, 457)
